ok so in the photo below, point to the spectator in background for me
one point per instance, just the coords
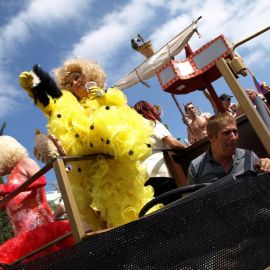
(226, 102)
(196, 123)
(160, 177)
(252, 94)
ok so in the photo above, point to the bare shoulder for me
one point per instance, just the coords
(206, 115)
(28, 163)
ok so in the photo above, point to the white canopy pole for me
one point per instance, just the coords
(149, 67)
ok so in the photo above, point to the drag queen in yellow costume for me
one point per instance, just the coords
(87, 120)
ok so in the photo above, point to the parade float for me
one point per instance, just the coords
(224, 225)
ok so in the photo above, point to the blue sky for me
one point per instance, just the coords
(49, 32)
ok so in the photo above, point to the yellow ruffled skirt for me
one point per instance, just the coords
(114, 187)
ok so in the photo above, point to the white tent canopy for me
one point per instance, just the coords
(149, 67)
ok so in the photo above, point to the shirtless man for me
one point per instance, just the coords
(196, 123)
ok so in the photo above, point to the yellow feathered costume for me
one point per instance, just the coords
(102, 124)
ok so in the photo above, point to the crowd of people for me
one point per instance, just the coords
(86, 118)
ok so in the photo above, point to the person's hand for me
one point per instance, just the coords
(26, 81)
(47, 147)
(263, 164)
(185, 120)
(233, 107)
(95, 92)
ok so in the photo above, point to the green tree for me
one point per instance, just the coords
(6, 231)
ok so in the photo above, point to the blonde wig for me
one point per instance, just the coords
(11, 152)
(90, 69)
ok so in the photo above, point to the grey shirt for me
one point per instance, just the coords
(204, 169)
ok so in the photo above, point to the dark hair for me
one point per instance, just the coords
(225, 97)
(216, 122)
(190, 103)
(147, 110)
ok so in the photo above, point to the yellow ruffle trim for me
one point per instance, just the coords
(107, 125)
(113, 187)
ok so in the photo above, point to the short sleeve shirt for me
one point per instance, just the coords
(156, 166)
(204, 169)
(160, 132)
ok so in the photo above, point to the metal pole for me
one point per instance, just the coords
(250, 37)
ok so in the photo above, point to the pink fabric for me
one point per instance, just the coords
(31, 218)
(29, 209)
(26, 242)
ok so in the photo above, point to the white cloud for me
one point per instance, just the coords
(253, 58)
(7, 104)
(6, 88)
(235, 19)
(37, 14)
(49, 11)
(170, 29)
(116, 29)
